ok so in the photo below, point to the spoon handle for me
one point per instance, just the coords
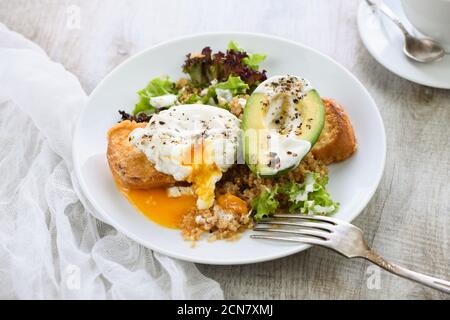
(390, 14)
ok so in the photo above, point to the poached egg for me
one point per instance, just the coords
(193, 143)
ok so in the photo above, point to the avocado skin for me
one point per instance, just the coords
(310, 107)
(314, 108)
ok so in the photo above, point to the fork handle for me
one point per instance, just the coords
(429, 281)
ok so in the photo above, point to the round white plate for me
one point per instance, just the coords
(352, 182)
(384, 41)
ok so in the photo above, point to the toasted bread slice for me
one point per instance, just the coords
(337, 141)
(130, 166)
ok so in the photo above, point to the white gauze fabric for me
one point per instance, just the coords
(51, 245)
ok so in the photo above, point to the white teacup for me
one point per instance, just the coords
(430, 17)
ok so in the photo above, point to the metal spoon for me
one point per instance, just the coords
(423, 50)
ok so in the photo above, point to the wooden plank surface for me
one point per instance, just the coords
(408, 220)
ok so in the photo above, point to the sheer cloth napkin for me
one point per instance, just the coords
(52, 245)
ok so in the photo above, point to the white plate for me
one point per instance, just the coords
(384, 41)
(352, 182)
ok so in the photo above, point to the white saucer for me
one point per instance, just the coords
(385, 43)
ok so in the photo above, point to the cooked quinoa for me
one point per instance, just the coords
(220, 224)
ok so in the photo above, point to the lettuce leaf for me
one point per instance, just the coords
(156, 87)
(253, 60)
(232, 45)
(207, 66)
(234, 84)
(194, 98)
(143, 106)
(265, 204)
(309, 198)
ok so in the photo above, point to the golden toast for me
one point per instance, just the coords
(129, 165)
(337, 141)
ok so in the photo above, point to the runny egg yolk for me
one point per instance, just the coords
(205, 173)
(156, 205)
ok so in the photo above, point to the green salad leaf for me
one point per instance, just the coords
(156, 87)
(194, 98)
(205, 67)
(253, 60)
(310, 197)
(265, 204)
(234, 84)
(232, 45)
(143, 106)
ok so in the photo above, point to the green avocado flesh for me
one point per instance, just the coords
(312, 112)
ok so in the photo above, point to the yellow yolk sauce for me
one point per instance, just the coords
(156, 205)
(205, 173)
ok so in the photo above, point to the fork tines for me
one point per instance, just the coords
(295, 228)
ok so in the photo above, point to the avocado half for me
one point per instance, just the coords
(312, 112)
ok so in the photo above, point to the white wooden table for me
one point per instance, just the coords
(408, 220)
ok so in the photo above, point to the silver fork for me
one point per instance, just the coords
(339, 236)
